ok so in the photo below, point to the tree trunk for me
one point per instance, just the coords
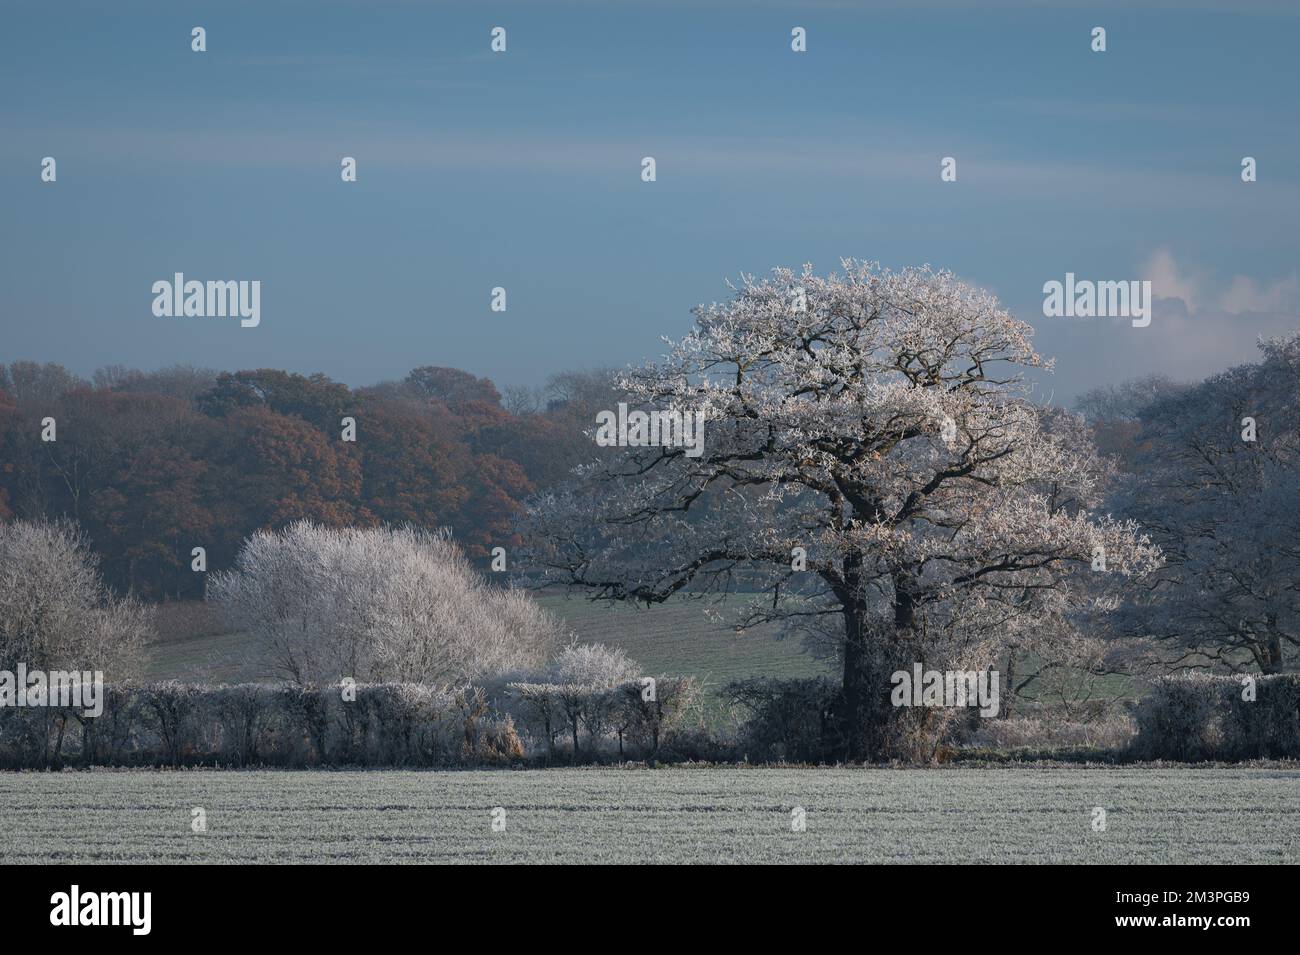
(855, 691)
(88, 741)
(58, 743)
(855, 653)
(1273, 654)
(865, 667)
(1010, 695)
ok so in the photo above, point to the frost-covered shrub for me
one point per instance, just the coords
(1051, 729)
(57, 736)
(396, 724)
(538, 705)
(302, 718)
(787, 720)
(586, 673)
(801, 720)
(1213, 717)
(696, 743)
(25, 736)
(646, 714)
(491, 740)
(1179, 718)
(382, 605)
(242, 714)
(1268, 726)
(573, 695)
(171, 710)
(107, 739)
(592, 664)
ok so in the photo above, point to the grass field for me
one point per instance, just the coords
(729, 815)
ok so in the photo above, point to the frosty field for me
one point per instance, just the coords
(996, 814)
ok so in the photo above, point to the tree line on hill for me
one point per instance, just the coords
(151, 465)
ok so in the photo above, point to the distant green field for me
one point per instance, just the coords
(675, 638)
(729, 815)
(219, 658)
(679, 637)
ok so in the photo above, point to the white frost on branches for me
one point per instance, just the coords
(56, 613)
(378, 605)
(880, 421)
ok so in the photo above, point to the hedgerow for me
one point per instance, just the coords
(387, 724)
(1201, 717)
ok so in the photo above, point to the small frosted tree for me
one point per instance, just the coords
(575, 689)
(56, 613)
(378, 605)
(872, 466)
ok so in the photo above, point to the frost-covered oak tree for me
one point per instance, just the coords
(872, 466)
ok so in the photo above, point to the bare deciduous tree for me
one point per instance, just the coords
(57, 615)
(1221, 496)
(55, 612)
(877, 423)
(377, 605)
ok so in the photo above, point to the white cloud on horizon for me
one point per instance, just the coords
(1201, 294)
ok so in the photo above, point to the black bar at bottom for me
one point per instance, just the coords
(216, 904)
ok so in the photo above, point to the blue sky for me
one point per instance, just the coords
(523, 170)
